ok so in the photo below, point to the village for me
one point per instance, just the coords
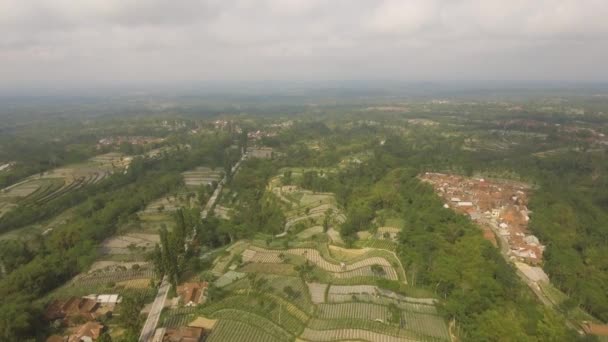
(500, 209)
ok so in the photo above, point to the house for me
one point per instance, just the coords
(260, 152)
(181, 334)
(595, 329)
(90, 331)
(72, 308)
(193, 293)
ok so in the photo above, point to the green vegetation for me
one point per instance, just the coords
(288, 228)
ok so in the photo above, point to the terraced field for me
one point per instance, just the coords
(313, 311)
(109, 280)
(42, 188)
(201, 176)
(361, 268)
(305, 289)
(349, 335)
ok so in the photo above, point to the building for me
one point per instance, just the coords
(260, 152)
(192, 294)
(595, 329)
(181, 334)
(72, 308)
(90, 331)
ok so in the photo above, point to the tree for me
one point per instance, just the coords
(377, 270)
(104, 337)
(129, 311)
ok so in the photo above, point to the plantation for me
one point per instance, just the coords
(47, 186)
(108, 281)
(236, 326)
(310, 290)
(201, 176)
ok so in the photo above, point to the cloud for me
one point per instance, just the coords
(57, 40)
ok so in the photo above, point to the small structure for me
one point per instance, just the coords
(105, 299)
(260, 152)
(72, 308)
(203, 323)
(595, 329)
(56, 338)
(181, 334)
(193, 294)
(89, 331)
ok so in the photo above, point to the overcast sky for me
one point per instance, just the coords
(101, 41)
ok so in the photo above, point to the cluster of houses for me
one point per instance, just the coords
(83, 316)
(71, 312)
(195, 331)
(499, 207)
(257, 135)
(133, 140)
(190, 294)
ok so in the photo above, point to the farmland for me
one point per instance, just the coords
(47, 186)
(111, 278)
(334, 236)
(310, 289)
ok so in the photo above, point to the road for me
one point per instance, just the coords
(219, 188)
(147, 332)
(149, 328)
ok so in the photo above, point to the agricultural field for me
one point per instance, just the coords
(305, 209)
(47, 186)
(44, 227)
(109, 277)
(303, 286)
(129, 244)
(202, 176)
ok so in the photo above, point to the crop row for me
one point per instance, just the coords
(179, 317)
(353, 310)
(258, 327)
(102, 278)
(428, 325)
(363, 324)
(350, 335)
(229, 330)
(259, 305)
(364, 297)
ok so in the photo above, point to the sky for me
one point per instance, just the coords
(66, 42)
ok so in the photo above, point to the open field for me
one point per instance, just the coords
(130, 243)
